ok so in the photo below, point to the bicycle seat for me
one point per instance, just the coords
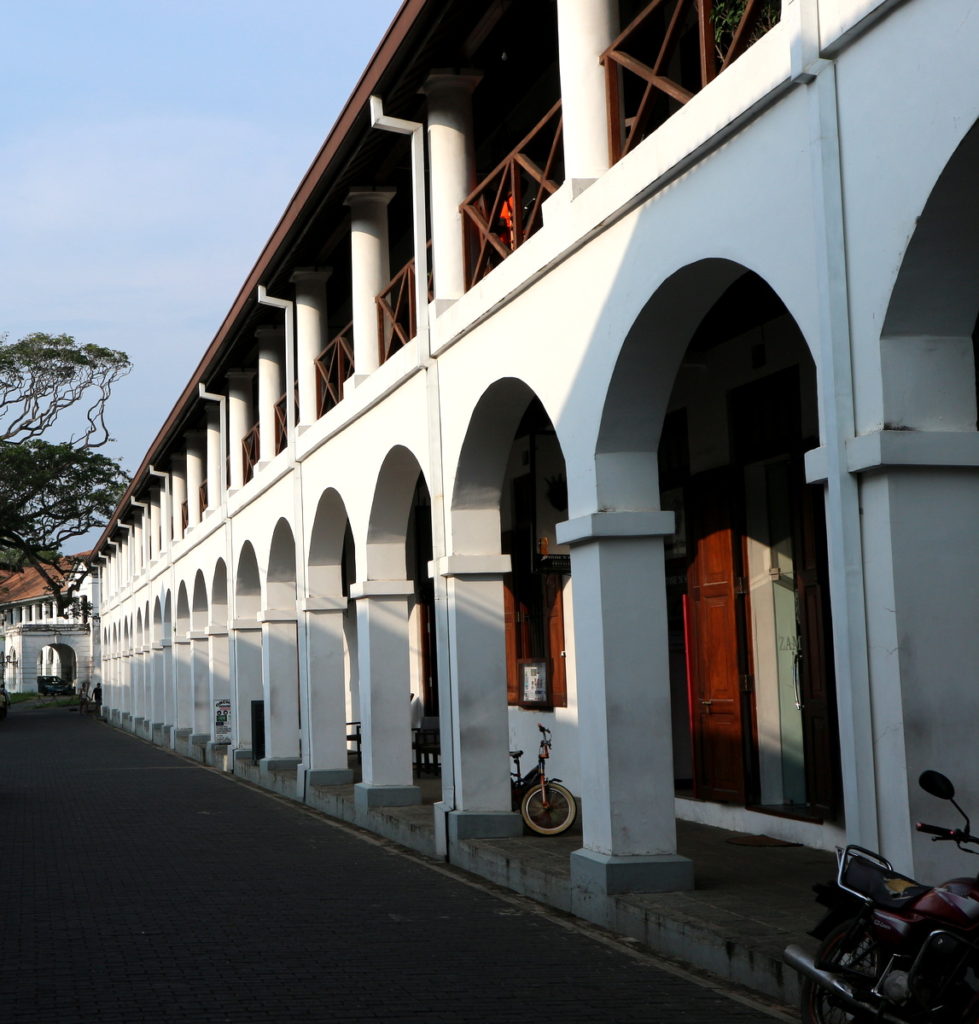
(516, 753)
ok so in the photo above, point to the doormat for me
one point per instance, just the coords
(759, 841)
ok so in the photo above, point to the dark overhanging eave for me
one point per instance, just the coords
(306, 193)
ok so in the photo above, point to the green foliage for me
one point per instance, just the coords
(726, 16)
(52, 491)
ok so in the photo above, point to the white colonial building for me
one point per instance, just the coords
(603, 345)
(36, 641)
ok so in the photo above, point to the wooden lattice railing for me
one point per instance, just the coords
(504, 209)
(250, 452)
(202, 497)
(282, 421)
(397, 315)
(668, 53)
(334, 365)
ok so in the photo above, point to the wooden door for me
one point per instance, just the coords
(816, 678)
(713, 628)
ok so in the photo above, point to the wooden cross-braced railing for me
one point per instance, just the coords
(202, 497)
(250, 449)
(650, 71)
(397, 315)
(334, 365)
(504, 209)
(282, 421)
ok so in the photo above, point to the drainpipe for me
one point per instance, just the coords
(166, 515)
(423, 337)
(302, 587)
(285, 305)
(222, 401)
(145, 539)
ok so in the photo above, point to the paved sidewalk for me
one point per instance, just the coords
(139, 887)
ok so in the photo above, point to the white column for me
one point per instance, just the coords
(219, 674)
(325, 735)
(183, 712)
(194, 440)
(246, 635)
(629, 825)
(370, 272)
(382, 651)
(178, 493)
(240, 418)
(200, 686)
(477, 656)
(215, 455)
(271, 356)
(280, 685)
(156, 499)
(585, 29)
(139, 560)
(157, 687)
(452, 175)
(312, 333)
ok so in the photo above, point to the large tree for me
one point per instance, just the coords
(55, 489)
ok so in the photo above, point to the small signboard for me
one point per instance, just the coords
(534, 692)
(222, 721)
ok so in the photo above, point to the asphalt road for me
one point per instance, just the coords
(138, 887)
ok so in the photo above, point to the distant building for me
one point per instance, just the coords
(674, 450)
(37, 642)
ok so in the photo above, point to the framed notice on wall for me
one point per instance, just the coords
(532, 677)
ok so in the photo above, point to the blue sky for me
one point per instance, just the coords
(147, 151)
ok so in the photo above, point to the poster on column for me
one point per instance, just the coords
(222, 721)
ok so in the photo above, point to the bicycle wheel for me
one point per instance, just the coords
(551, 815)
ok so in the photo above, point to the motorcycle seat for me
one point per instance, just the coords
(884, 886)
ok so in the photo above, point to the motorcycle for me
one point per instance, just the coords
(893, 949)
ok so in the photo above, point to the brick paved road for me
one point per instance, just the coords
(139, 887)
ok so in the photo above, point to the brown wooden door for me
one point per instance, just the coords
(816, 679)
(716, 699)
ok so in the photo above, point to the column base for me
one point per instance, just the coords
(278, 764)
(599, 874)
(329, 777)
(367, 796)
(484, 825)
(157, 733)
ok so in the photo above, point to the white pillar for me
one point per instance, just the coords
(157, 686)
(178, 493)
(183, 712)
(200, 686)
(370, 272)
(194, 440)
(219, 675)
(452, 175)
(215, 455)
(280, 685)
(629, 825)
(585, 29)
(382, 651)
(477, 655)
(246, 636)
(139, 560)
(240, 418)
(271, 356)
(325, 735)
(312, 333)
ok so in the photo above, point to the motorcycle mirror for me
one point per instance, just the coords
(937, 785)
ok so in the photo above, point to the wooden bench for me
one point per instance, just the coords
(427, 748)
(353, 736)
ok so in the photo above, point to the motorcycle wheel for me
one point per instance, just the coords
(857, 954)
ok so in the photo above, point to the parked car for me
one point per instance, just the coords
(49, 686)
(4, 701)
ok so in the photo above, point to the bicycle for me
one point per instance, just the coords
(547, 807)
